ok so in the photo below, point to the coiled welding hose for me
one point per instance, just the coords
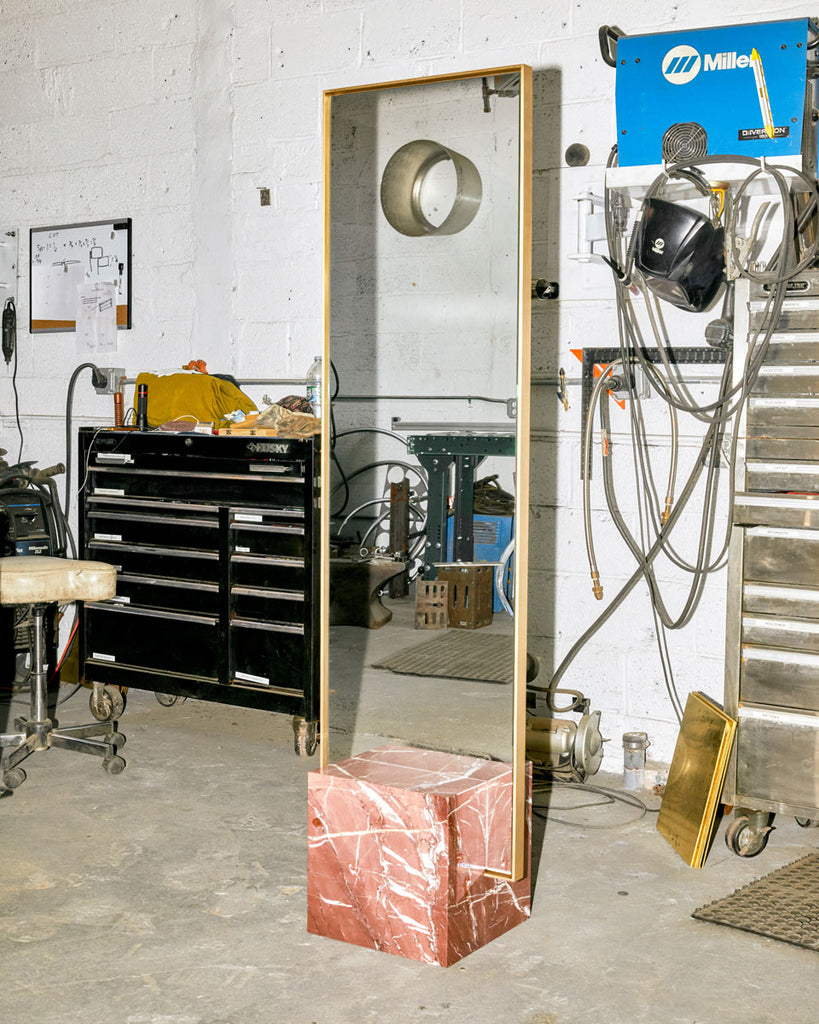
(632, 581)
(721, 408)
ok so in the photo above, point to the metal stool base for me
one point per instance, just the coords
(37, 731)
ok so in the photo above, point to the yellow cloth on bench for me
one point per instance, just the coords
(199, 396)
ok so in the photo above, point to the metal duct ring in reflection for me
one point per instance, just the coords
(403, 180)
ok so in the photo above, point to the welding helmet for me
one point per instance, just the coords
(680, 253)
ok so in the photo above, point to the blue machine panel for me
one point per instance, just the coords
(491, 534)
(706, 89)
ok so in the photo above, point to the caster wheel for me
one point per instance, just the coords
(305, 736)
(167, 700)
(114, 765)
(106, 703)
(13, 778)
(807, 822)
(744, 840)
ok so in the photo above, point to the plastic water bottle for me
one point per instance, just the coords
(314, 386)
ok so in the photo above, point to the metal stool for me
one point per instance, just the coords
(38, 581)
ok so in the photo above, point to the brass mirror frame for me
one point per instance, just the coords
(521, 560)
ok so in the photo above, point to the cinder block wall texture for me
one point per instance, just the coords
(176, 113)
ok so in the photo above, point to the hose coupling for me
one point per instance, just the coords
(667, 511)
(597, 589)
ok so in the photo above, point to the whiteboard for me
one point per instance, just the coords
(66, 257)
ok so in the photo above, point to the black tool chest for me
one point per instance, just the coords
(216, 544)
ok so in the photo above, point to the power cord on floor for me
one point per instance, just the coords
(611, 797)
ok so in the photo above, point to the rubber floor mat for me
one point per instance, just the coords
(783, 905)
(457, 655)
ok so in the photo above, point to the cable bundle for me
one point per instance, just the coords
(721, 417)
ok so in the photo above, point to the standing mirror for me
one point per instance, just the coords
(425, 442)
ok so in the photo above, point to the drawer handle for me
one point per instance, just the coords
(290, 595)
(272, 627)
(293, 563)
(155, 549)
(151, 613)
(296, 531)
(168, 581)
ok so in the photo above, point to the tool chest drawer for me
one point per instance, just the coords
(130, 526)
(123, 634)
(268, 656)
(172, 594)
(269, 535)
(782, 555)
(274, 571)
(215, 541)
(155, 560)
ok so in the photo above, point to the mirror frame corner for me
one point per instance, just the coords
(519, 830)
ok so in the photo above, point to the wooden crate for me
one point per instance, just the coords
(470, 593)
(431, 610)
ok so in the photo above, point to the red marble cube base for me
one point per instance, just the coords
(399, 843)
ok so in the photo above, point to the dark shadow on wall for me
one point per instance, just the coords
(545, 406)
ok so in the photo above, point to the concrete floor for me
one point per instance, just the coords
(175, 893)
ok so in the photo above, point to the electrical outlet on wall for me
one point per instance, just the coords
(8, 265)
(115, 375)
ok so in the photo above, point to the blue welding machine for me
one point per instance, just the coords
(739, 90)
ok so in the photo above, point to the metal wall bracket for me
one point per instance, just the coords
(603, 356)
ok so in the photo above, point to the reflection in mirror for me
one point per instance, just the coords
(425, 318)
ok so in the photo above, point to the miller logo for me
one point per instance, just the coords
(658, 246)
(683, 63)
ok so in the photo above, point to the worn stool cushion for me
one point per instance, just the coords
(41, 579)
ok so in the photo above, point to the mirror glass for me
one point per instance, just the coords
(427, 260)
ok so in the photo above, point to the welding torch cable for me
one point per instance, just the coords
(654, 518)
(633, 580)
(757, 350)
(790, 224)
(642, 459)
(594, 572)
(674, 381)
(742, 389)
(701, 569)
(716, 562)
(69, 402)
(785, 252)
(690, 172)
(709, 502)
(637, 427)
(17, 406)
(640, 447)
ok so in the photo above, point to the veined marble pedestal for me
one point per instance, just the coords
(399, 843)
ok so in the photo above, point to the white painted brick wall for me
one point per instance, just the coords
(108, 111)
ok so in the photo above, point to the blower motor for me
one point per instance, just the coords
(562, 745)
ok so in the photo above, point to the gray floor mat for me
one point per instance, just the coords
(460, 654)
(783, 905)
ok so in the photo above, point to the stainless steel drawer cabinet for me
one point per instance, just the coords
(772, 634)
